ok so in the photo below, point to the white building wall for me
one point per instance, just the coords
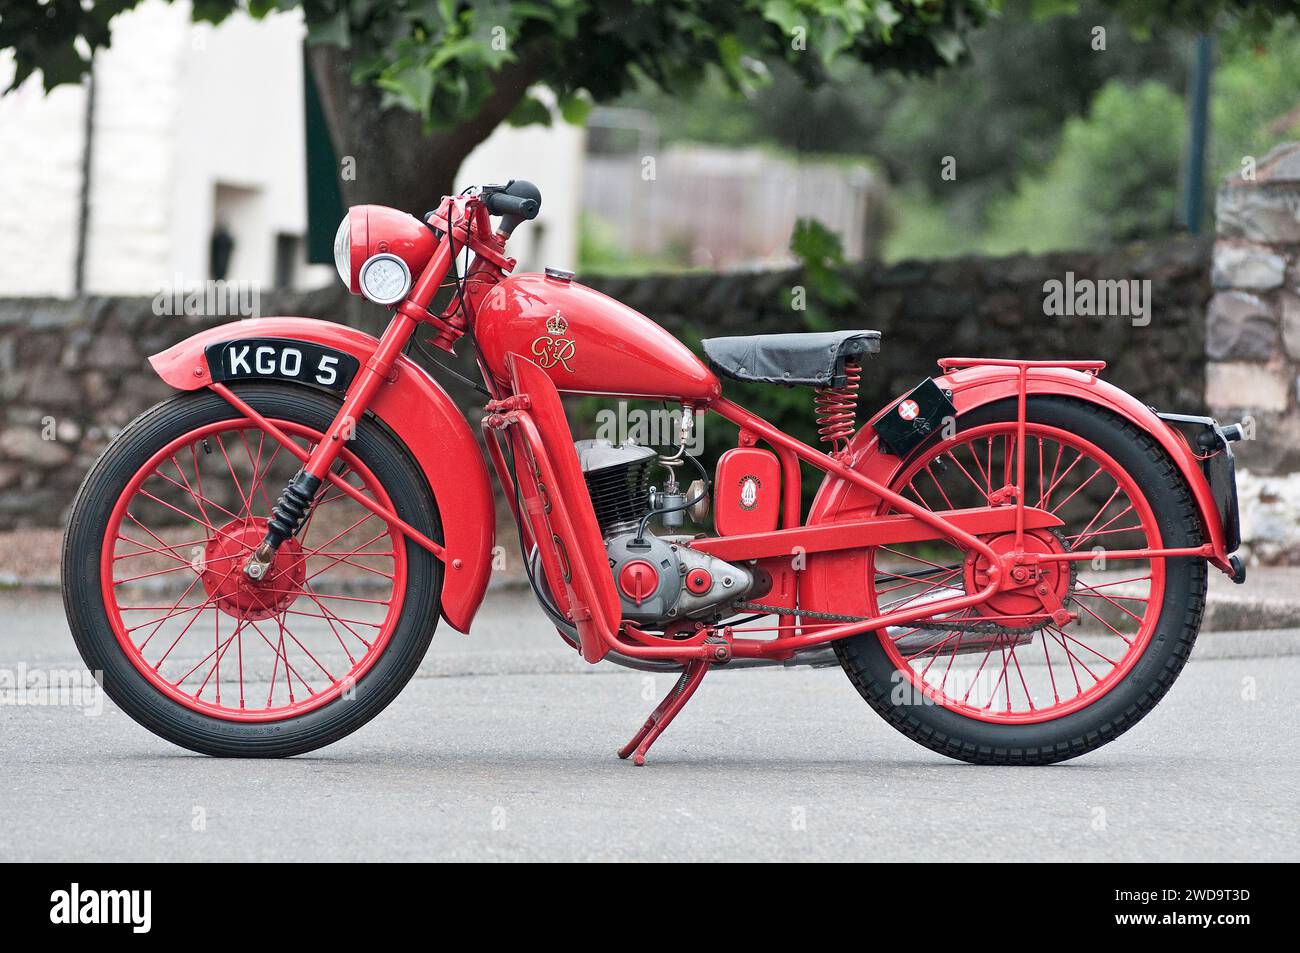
(133, 154)
(241, 125)
(551, 157)
(181, 109)
(40, 185)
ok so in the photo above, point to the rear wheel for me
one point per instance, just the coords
(1003, 682)
(190, 647)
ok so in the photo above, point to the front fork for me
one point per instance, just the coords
(291, 509)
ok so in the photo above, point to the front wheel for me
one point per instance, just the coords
(1004, 682)
(192, 649)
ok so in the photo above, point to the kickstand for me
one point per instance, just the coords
(665, 712)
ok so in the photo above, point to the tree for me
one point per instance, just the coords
(1115, 177)
(1000, 113)
(410, 87)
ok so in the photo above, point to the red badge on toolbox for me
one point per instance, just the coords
(908, 410)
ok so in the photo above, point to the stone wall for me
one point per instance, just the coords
(73, 372)
(980, 307)
(1253, 344)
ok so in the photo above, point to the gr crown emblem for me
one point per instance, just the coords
(553, 348)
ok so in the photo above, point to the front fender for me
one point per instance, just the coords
(982, 384)
(422, 416)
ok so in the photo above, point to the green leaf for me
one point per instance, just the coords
(530, 110)
(729, 57)
(467, 49)
(63, 65)
(211, 11)
(331, 31)
(949, 45)
(821, 256)
(411, 88)
(785, 14)
(1042, 9)
(575, 107)
(887, 17)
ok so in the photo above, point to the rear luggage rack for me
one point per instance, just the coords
(947, 364)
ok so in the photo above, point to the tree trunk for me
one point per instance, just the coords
(395, 162)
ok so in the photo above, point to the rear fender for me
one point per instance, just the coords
(422, 416)
(975, 386)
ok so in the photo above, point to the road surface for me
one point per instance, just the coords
(502, 748)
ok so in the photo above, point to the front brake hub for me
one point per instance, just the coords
(1030, 590)
(232, 591)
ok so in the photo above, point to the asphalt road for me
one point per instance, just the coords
(503, 749)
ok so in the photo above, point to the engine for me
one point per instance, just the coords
(659, 579)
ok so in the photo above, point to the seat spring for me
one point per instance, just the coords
(837, 408)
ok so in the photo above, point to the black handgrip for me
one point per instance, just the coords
(500, 203)
(519, 201)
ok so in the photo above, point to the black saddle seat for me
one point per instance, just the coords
(815, 359)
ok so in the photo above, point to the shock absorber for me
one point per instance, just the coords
(837, 408)
(287, 517)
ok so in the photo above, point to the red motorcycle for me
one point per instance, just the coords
(1009, 561)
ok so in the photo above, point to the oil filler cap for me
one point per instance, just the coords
(559, 274)
(638, 580)
(699, 581)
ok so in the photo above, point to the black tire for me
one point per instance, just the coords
(130, 690)
(964, 738)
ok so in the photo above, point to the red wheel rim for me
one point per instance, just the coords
(325, 612)
(1045, 671)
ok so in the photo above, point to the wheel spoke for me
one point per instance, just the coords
(966, 473)
(198, 497)
(939, 487)
(359, 551)
(259, 482)
(239, 487)
(1113, 630)
(184, 595)
(164, 550)
(1112, 600)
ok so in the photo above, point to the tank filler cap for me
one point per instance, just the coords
(559, 274)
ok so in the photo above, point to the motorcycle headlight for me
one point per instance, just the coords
(379, 252)
(343, 251)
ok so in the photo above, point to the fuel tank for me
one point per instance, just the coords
(587, 342)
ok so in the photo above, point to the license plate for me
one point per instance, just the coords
(299, 362)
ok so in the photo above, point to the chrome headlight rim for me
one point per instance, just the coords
(343, 250)
(389, 299)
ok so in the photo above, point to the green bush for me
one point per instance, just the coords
(1255, 102)
(1114, 179)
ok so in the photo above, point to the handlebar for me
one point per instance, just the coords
(516, 201)
(500, 203)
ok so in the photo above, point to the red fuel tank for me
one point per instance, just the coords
(587, 342)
